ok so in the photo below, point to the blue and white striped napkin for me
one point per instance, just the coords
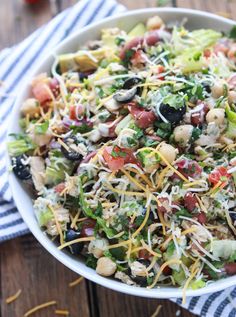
(16, 65)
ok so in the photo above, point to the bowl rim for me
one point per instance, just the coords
(65, 258)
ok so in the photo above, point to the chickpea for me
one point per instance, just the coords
(232, 96)
(105, 266)
(30, 107)
(218, 89)
(154, 23)
(216, 115)
(97, 247)
(183, 133)
(169, 153)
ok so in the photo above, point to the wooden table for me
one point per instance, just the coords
(24, 264)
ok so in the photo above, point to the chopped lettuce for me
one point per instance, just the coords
(90, 213)
(188, 47)
(21, 145)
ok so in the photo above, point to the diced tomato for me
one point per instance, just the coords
(137, 41)
(190, 201)
(219, 174)
(59, 188)
(87, 228)
(159, 70)
(120, 157)
(42, 92)
(143, 118)
(207, 53)
(76, 111)
(114, 163)
(202, 218)
(189, 168)
(72, 112)
(144, 254)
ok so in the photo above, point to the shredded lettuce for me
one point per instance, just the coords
(188, 47)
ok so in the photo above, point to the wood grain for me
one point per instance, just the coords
(26, 265)
(23, 262)
(224, 8)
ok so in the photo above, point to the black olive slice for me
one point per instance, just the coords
(123, 96)
(70, 154)
(20, 168)
(71, 235)
(171, 114)
(132, 81)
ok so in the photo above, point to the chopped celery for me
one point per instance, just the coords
(128, 120)
(197, 284)
(147, 159)
(179, 276)
(58, 166)
(138, 30)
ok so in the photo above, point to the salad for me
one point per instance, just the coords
(128, 147)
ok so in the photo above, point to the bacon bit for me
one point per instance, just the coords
(76, 282)
(12, 298)
(36, 308)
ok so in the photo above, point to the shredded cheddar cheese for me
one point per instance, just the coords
(164, 265)
(157, 311)
(39, 307)
(143, 223)
(62, 312)
(67, 244)
(14, 297)
(57, 224)
(145, 246)
(76, 282)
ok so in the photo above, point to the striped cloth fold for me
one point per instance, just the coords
(17, 64)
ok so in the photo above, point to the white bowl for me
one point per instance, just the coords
(196, 19)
